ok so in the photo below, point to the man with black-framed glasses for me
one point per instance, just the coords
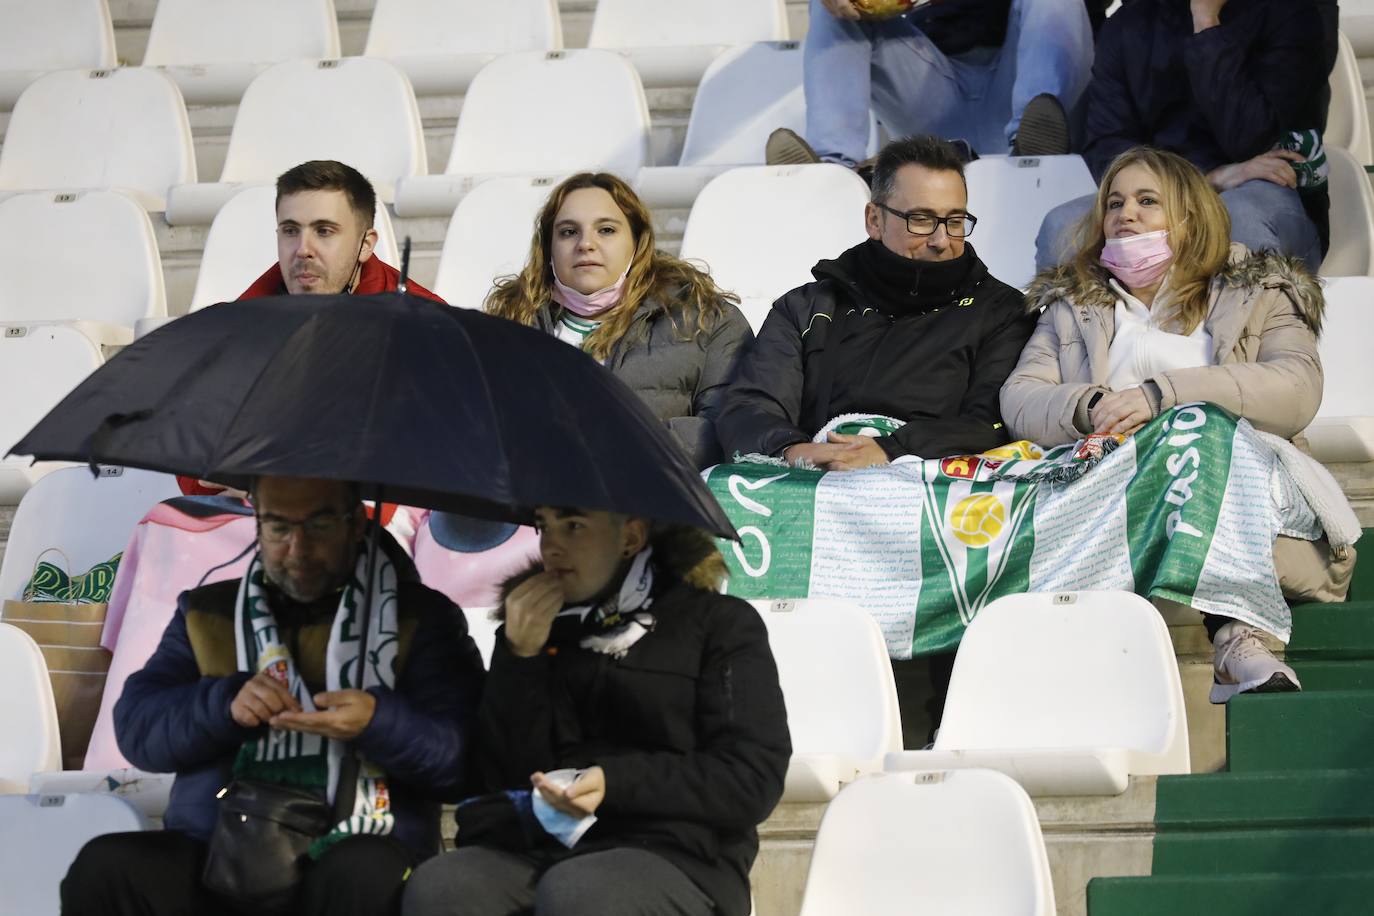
(905, 334)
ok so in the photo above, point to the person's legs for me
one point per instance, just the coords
(363, 875)
(1242, 662)
(1269, 217)
(472, 881)
(619, 882)
(138, 874)
(836, 58)
(918, 89)
(1048, 51)
(1055, 242)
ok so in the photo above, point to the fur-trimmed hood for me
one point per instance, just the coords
(681, 554)
(1244, 269)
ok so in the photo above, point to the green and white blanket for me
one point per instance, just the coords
(1187, 509)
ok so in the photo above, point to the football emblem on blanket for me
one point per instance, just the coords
(977, 520)
(884, 9)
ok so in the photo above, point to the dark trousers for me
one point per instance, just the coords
(479, 881)
(158, 872)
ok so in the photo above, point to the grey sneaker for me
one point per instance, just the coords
(1044, 129)
(786, 147)
(1244, 664)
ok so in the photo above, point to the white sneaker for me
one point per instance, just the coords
(1244, 664)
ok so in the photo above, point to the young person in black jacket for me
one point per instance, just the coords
(908, 325)
(619, 660)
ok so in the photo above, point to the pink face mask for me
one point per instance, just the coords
(1138, 260)
(589, 305)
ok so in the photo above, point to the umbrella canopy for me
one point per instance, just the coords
(444, 408)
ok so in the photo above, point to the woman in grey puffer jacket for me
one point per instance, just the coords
(595, 279)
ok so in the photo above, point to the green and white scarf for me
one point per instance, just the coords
(311, 761)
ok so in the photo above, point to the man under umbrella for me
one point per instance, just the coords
(252, 682)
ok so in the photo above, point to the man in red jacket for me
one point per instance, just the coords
(325, 242)
(325, 238)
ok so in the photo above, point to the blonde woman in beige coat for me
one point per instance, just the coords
(1159, 309)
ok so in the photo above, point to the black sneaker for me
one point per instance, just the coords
(1044, 129)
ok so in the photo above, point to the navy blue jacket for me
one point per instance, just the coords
(1223, 95)
(174, 713)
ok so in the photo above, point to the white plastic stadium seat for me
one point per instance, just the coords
(441, 44)
(41, 835)
(124, 129)
(813, 212)
(513, 124)
(748, 92)
(1069, 693)
(45, 362)
(1352, 218)
(1347, 117)
(242, 243)
(489, 237)
(1010, 195)
(962, 842)
(1357, 22)
(1344, 427)
(88, 518)
(52, 35)
(482, 628)
(214, 49)
(360, 111)
(844, 723)
(671, 43)
(106, 233)
(28, 716)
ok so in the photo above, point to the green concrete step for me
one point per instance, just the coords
(1313, 730)
(1333, 631)
(1234, 895)
(1265, 800)
(1362, 580)
(1323, 674)
(1211, 853)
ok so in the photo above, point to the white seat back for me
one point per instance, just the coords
(1352, 217)
(514, 121)
(489, 237)
(45, 361)
(746, 93)
(124, 128)
(1357, 22)
(1069, 670)
(671, 23)
(52, 35)
(105, 234)
(835, 675)
(358, 110)
(28, 715)
(1010, 196)
(1347, 117)
(812, 211)
(198, 32)
(41, 836)
(242, 243)
(417, 28)
(965, 842)
(89, 519)
(1343, 429)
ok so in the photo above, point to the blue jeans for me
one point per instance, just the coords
(1264, 217)
(914, 88)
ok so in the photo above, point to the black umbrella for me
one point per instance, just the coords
(442, 407)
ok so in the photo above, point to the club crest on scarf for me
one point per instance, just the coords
(617, 623)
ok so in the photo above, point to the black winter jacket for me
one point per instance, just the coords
(1223, 95)
(689, 727)
(939, 370)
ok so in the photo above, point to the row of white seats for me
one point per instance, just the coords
(128, 128)
(214, 49)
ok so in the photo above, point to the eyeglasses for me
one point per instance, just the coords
(320, 527)
(957, 225)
